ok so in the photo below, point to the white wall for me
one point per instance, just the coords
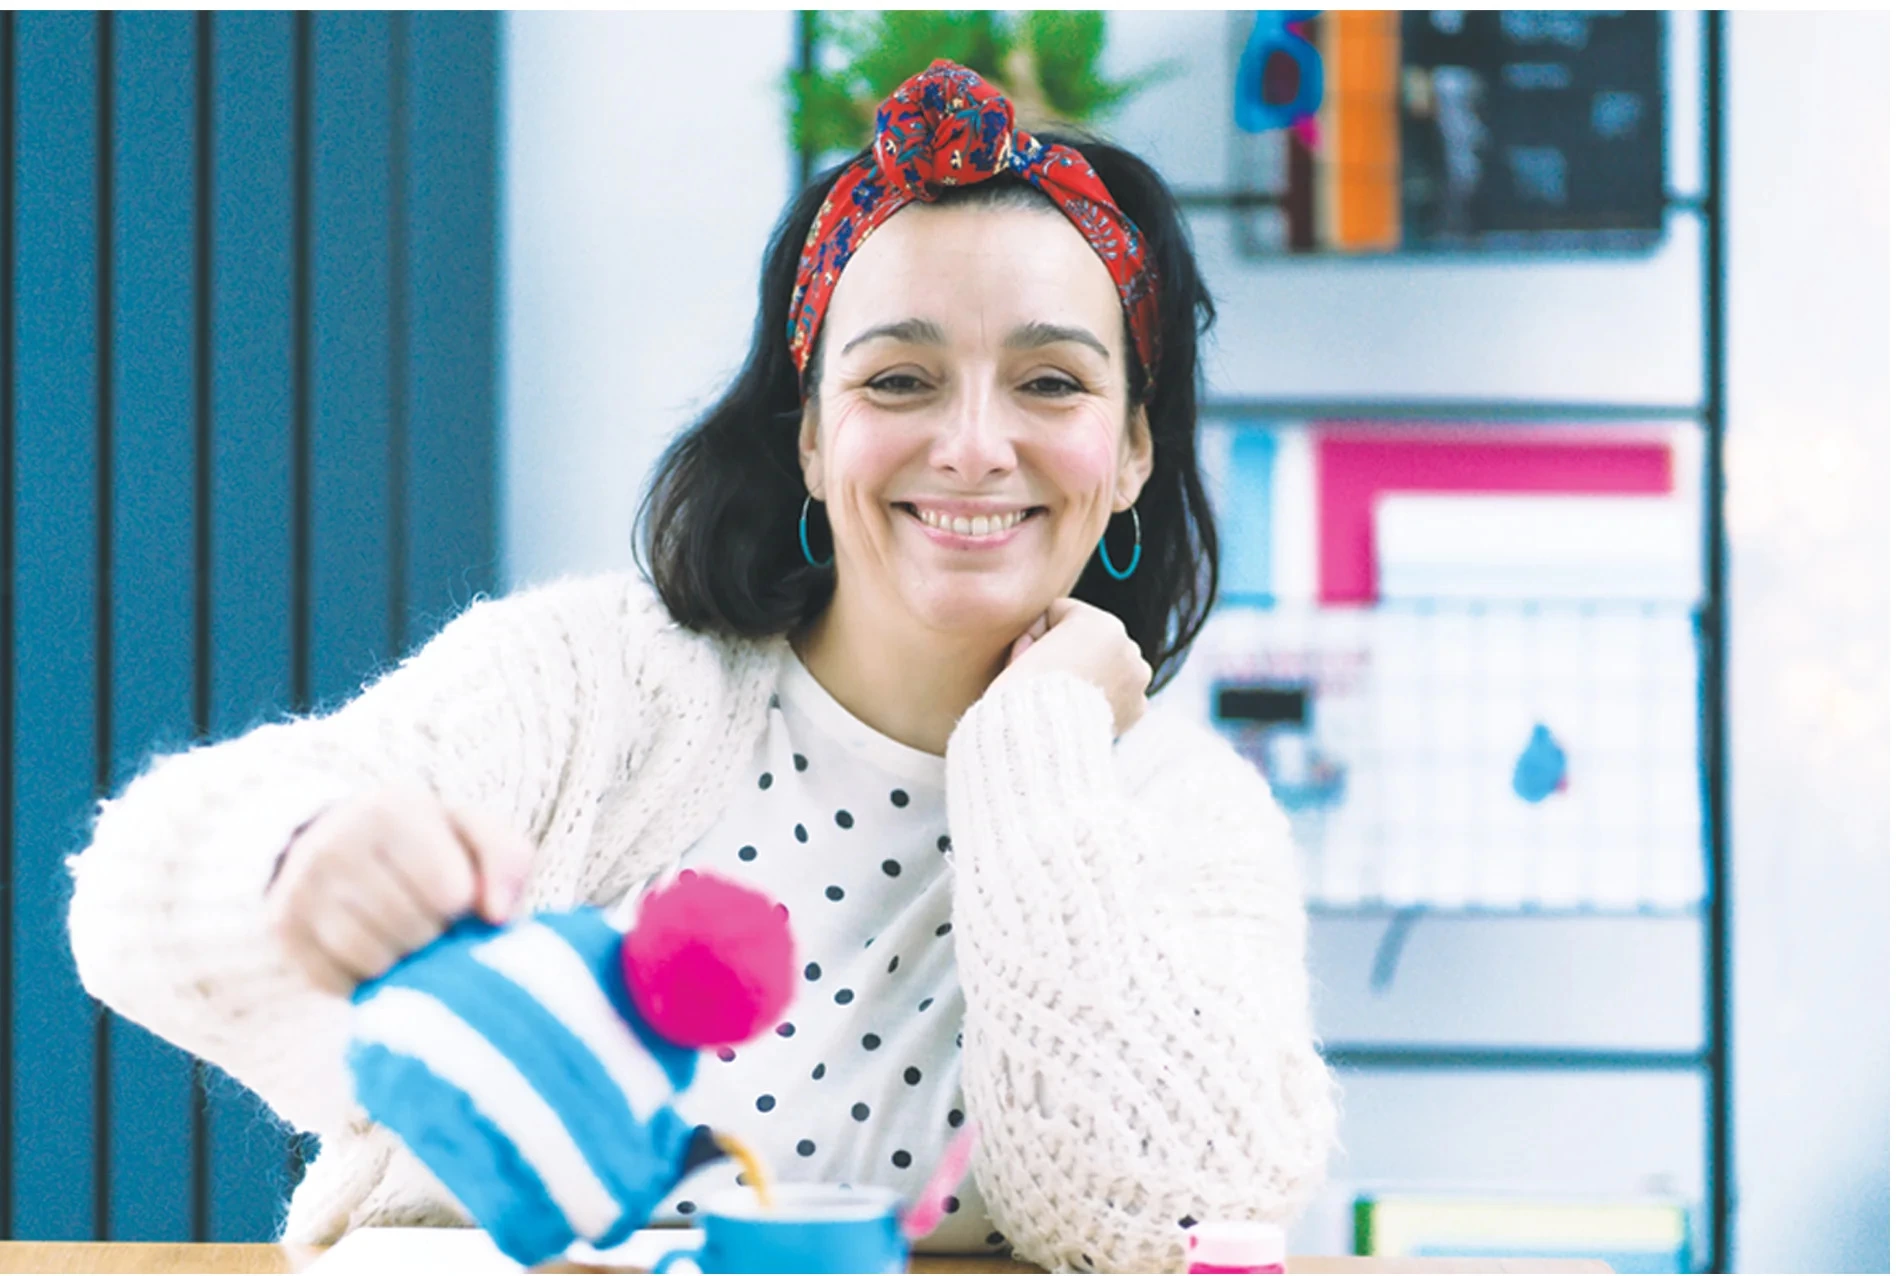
(630, 275)
(645, 164)
(1809, 533)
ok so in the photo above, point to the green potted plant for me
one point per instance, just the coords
(1047, 61)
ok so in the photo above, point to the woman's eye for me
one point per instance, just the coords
(1052, 387)
(896, 383)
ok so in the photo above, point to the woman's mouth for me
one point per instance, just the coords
(978, 531)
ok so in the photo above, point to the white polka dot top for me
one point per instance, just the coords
(861, 1081)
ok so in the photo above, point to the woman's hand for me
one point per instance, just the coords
(1092, 643)
(373, 879)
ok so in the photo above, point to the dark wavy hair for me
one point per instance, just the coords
(717, 529)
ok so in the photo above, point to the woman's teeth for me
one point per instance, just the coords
(979, 525)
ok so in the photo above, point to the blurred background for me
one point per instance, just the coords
(1547, 413)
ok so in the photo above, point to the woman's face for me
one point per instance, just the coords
(970, 436)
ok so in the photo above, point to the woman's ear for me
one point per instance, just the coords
(1135, 464)
(809, 460)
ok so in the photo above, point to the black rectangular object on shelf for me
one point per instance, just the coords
(1532, 128)
(1264, 704)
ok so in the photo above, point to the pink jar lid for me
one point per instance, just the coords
(1238, 1244)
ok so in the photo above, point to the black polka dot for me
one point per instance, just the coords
(860, 1112)
(891, 868)
(943, 845)
(805, 1148)
(803, 834)
(951, 1204)
(1188, 1221)
(893, 963)
(765, 1102)
(844, 996)
(902, 1159)
(812, 972)
(926, 1003)
(816, 1073)
(726, 1053)
(995, 1238)
(844, 820)
(686, 1207)
(747, 853)
(943, 929)
(912, 1075)
(763, 781)
(955, 1117)
(803, 763)
(834, 892)
(899, 798)
(870, 1041)
(786, 1030)
(775, 703)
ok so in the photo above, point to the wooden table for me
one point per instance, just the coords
(69, 1256)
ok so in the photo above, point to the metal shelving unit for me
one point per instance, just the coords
(1712, 1060)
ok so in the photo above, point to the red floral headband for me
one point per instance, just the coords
(949, 127)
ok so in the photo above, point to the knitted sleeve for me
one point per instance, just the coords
(1139, 1051)
(167, 918)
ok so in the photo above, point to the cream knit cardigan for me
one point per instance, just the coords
(1129, 927)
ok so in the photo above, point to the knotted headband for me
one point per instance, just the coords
(949, 127)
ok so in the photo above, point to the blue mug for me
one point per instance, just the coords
(810, 1227)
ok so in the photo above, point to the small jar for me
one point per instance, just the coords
(1234, 1247)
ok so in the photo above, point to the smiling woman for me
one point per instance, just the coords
(910, 583)
(974, 316)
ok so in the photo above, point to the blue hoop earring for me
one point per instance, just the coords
(803, 535)
(1138, 545)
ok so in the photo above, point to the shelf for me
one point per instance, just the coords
(1198, 200)
(1389, 912)
(1467, 606)
(1500, 412)
(1511, 1058)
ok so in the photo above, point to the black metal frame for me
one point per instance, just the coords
(1714, 1060)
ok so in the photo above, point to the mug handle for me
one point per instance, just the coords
(665, 1260)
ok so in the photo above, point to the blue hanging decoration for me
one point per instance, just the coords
(1274, 54)
(1541, 770)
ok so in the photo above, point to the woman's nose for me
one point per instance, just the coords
(974, 441)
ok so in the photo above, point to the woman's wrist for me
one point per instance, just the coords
(1044, 733)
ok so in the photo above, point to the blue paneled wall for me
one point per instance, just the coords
(247, 457)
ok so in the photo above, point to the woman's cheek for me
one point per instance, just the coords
(1083, 460)
(852, 453)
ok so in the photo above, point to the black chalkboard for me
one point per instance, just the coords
(1532, 128)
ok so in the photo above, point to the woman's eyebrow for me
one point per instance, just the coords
(1030, 336)
(921, 332)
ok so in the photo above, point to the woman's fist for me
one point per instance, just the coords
(375, 878)
(1092, 643)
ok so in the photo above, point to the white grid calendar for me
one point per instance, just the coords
(1405, 779)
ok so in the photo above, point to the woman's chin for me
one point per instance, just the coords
(976, 607)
